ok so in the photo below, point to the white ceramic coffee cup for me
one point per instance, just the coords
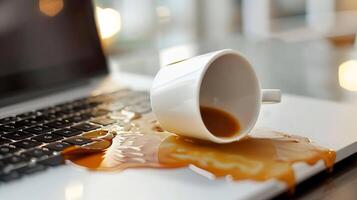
(222, 79)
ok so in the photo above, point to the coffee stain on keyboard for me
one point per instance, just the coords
(262, 156)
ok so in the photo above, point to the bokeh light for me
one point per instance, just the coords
(50, 7)
(347, 75)
(109, 22)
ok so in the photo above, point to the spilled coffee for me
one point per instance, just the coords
(262, 156)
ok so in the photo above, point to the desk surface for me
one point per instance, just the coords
(342, 181)
(340, 184)
(82, 184)
(307, 68)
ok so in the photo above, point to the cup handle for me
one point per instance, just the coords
(271, 96)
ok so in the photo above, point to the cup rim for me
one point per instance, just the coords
(237, 137)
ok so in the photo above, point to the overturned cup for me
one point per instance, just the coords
(215, 97)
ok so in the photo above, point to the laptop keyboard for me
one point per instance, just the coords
(31, 142)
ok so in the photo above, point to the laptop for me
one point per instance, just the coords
(43, 53)
(52, 65)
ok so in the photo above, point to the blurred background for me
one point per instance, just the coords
(304, 47)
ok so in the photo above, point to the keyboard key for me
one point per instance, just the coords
(60, 114)
(16, 159)
(77, 140)
(52, 160)
(12, 175)
(68, 132)
(26, 144)
(2, 164)
(47, 138)
(40, 119)
(91, 105)
(37, 152)
(10, 127)
(17, 135)
(45, 111)
(98, 113)
(78, 108)
(59, 123)
(54, 109)
(7, 120)
(57, 146)
(39, 129)
(27, 115)
(86, 127)
(26, 122)
(79, 118)
(30, 169)
(28, 125)
(5, 150)
(50, 117)
(42, 111)
(65, 111)
(103, 121)
(98, 98)
(4, 141)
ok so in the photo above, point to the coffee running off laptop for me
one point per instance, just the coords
(42, 52)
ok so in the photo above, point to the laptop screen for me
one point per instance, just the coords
(47, 43)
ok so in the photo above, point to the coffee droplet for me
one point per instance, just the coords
(219, 122)
(260, 157)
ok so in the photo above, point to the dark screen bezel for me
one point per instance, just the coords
(46, 78)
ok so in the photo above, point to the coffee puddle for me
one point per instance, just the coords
(265, 155)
